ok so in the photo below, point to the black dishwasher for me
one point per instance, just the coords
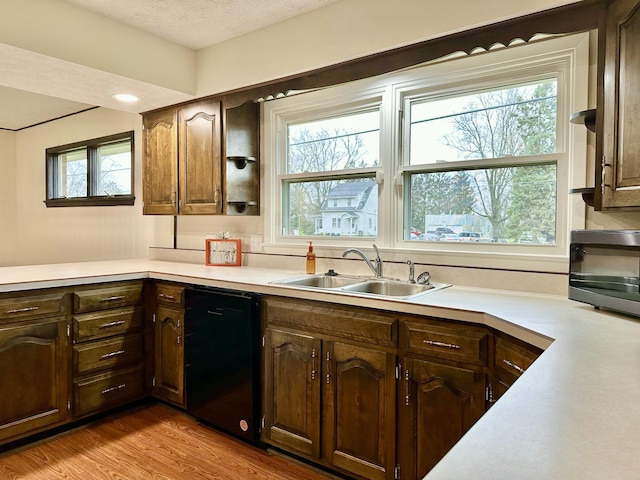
(221, 352)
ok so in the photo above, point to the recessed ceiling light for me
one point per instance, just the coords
(125, 97)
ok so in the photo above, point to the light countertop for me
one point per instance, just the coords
(574, 414)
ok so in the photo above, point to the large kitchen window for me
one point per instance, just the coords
(328, 181)
(463, 156)
(94, 172)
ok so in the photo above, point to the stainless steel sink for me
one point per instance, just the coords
(389, 288)
(378, 287)
(321, 281)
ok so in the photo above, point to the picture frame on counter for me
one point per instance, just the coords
(223, 252)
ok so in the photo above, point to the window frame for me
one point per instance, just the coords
(390, 90)
(91, 199)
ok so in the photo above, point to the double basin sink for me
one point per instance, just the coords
(378, 287)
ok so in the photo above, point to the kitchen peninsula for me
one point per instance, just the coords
(571, 415)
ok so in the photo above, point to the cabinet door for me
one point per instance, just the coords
(200, 135)
(292, 392)
(169, 355)
(620, 169)
(160, 163)
(359, 410)
(437, 404)
(33, 369)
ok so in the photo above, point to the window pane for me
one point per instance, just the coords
(505, 205)
(515, 121)
(72, 174)
(114, 163)
(351, 141)
(331, 207)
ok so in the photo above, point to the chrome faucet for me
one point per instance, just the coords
(411, 272)
(377, 269)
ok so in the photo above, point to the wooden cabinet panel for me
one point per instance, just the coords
(32, 305)
(619, 178)
(342, 321)
(160, 163)
(106, 297)
(200, 166)
(33, 369)
(359, 410)
(107, 390)
(105, 354)
(95, 325)
(169, 354)
(438, 403)
(463, 343)
(292, 391)
(169, 294)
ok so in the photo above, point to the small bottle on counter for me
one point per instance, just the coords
(311, 260)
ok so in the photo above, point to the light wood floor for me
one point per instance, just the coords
(154, 442)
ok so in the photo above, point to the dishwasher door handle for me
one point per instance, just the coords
(215, 311)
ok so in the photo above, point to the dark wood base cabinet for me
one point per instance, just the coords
(33, 363)
(372, 394)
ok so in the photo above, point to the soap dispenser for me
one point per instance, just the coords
(311, 260)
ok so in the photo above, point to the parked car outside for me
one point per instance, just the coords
(469, 236)
(449, 237)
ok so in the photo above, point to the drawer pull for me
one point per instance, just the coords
(113, 389)
(111, 354)
(112, 324)
(22, 310)
(513, 365)
(168, 297)
(441, 344)
(115, 298)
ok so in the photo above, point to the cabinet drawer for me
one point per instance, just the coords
(460, 343)
(336, 320)
(107, 297)
(107, 390)
(169, 294)
(16, 308)
(512, 357)
(113, 352)
(90, 326)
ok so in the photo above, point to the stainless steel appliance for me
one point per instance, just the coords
(604, 269)
(221, 349)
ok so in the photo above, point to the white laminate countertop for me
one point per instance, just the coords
(574, 414)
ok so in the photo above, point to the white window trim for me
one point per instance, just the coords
(569, 55)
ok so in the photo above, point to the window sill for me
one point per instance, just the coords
(90, 202)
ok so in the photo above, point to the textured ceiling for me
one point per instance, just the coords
(199, 23)
(35, 88)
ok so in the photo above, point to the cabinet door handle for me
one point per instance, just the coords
(216, 194)
(328, 377)
(407, 385)
(111, 354)
(173, 198)
(115, 298)
(517, 368)
(112, 324)
(168, 297)
(113, 389)
(178, 339)
(313, 367)
(22, 310)
(603, 184)
(441, 344)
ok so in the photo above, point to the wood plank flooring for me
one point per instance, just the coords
(154, 442)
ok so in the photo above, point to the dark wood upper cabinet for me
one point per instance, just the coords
(618, 165)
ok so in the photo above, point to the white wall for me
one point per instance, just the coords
(8, 228)
(341, 31)
(72, 234)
